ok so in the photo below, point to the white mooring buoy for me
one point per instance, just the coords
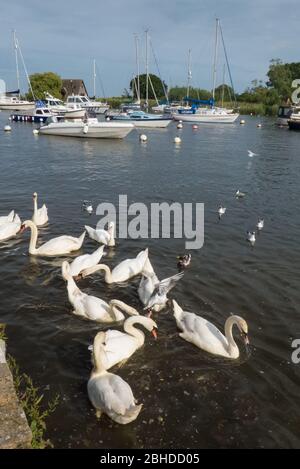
(242, 122)
(179, 126)
(143, 138)
(7, 128)
(35, 132)
(177, 140)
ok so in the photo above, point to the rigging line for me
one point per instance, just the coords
(154, 94)
(100, 81)
(159, 74)
(227, 62)
(25, 69)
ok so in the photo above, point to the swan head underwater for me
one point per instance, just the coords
(183, 262)
(243, 328)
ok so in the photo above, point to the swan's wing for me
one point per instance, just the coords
(202, 333)
(145, 289)
(8, 230)
(110, 393)
(96, 309)
(80, 263)
(121, 394)
(61, 244)
(168, 283)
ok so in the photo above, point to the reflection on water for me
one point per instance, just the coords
(190, 398)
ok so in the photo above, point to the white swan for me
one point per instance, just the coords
(103, 236)
(119, 346)
(40, 215)
(206, 336)
(91, 307)
(59, 246)
(8, 218)
(108, 392)
(153, 293)
(85, 261)
(10, 229)
(123, 271)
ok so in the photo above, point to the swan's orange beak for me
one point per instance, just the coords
(22, 229)
(154, 333)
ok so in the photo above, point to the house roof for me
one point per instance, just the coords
(73, 86)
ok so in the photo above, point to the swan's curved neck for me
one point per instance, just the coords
(35, 206)
(133, 331)
(97, 354)
(106, 269)
(124, 307)
(33, 237)
(232, 346)
(72, 287)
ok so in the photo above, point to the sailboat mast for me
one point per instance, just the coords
(189, 74)
(94, 77)
(216, 58)
(137, 60)
(147, 71)
(223, 86)
(17, 62)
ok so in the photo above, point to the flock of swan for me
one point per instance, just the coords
(107, 391)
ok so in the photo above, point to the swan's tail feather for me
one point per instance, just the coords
(90, 231)
(130, 415)
(11, 216)
(81, 238)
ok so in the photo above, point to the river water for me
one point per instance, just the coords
(190, 399)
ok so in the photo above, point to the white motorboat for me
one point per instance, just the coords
(89, 128)
(74, 111)
(12, 103)
(285, 113)
(55, 105)
(95, 106)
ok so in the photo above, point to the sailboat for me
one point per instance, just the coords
(9, 102)
(137, 117)
(210, 113)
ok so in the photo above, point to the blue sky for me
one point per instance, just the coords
(64, 37)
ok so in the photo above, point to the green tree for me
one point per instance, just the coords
(158, 86)
(227, 90)
(177, 93)
(45, 82)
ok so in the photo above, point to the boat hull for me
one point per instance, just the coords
(17, 107)
(100, 130)
(207, 119)
(294, 124)
(144, 123)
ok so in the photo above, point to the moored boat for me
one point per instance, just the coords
(89, 128)
(143, 119)
(12, 103)
(85, 103)
(285, 113)
(38, 115)
(294, 121)
(207, 115)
